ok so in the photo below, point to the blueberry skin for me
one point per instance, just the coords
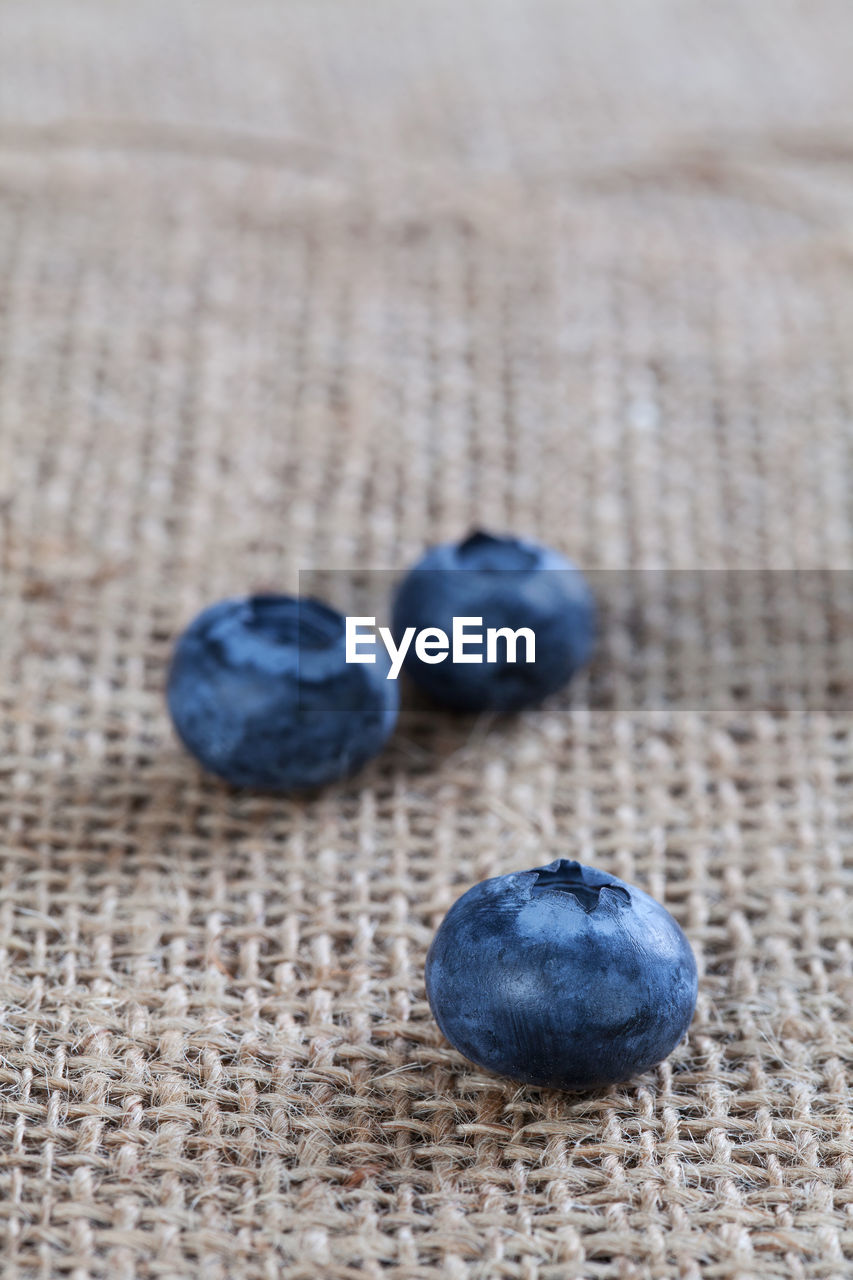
(561, 976)
(508, 582)
(260, 694)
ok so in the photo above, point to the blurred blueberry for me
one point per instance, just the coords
(260, 694)
(561, 976)
(508, 582)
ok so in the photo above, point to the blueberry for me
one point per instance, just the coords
(561, 976)
(260, 693)
(509, 583)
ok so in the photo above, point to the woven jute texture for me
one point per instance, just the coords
(311, 285)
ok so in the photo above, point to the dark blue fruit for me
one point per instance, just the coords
(561, 976)
(260, 693)
(509, 583)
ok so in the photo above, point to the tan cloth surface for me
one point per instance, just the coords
(314, 284)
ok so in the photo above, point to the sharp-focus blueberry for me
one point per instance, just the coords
(260, 693)
(509, 583)
(561, 976)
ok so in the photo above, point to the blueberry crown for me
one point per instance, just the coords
(566, 876)
(308, 623)
(484, 551)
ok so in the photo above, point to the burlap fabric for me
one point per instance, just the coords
(298, 285)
